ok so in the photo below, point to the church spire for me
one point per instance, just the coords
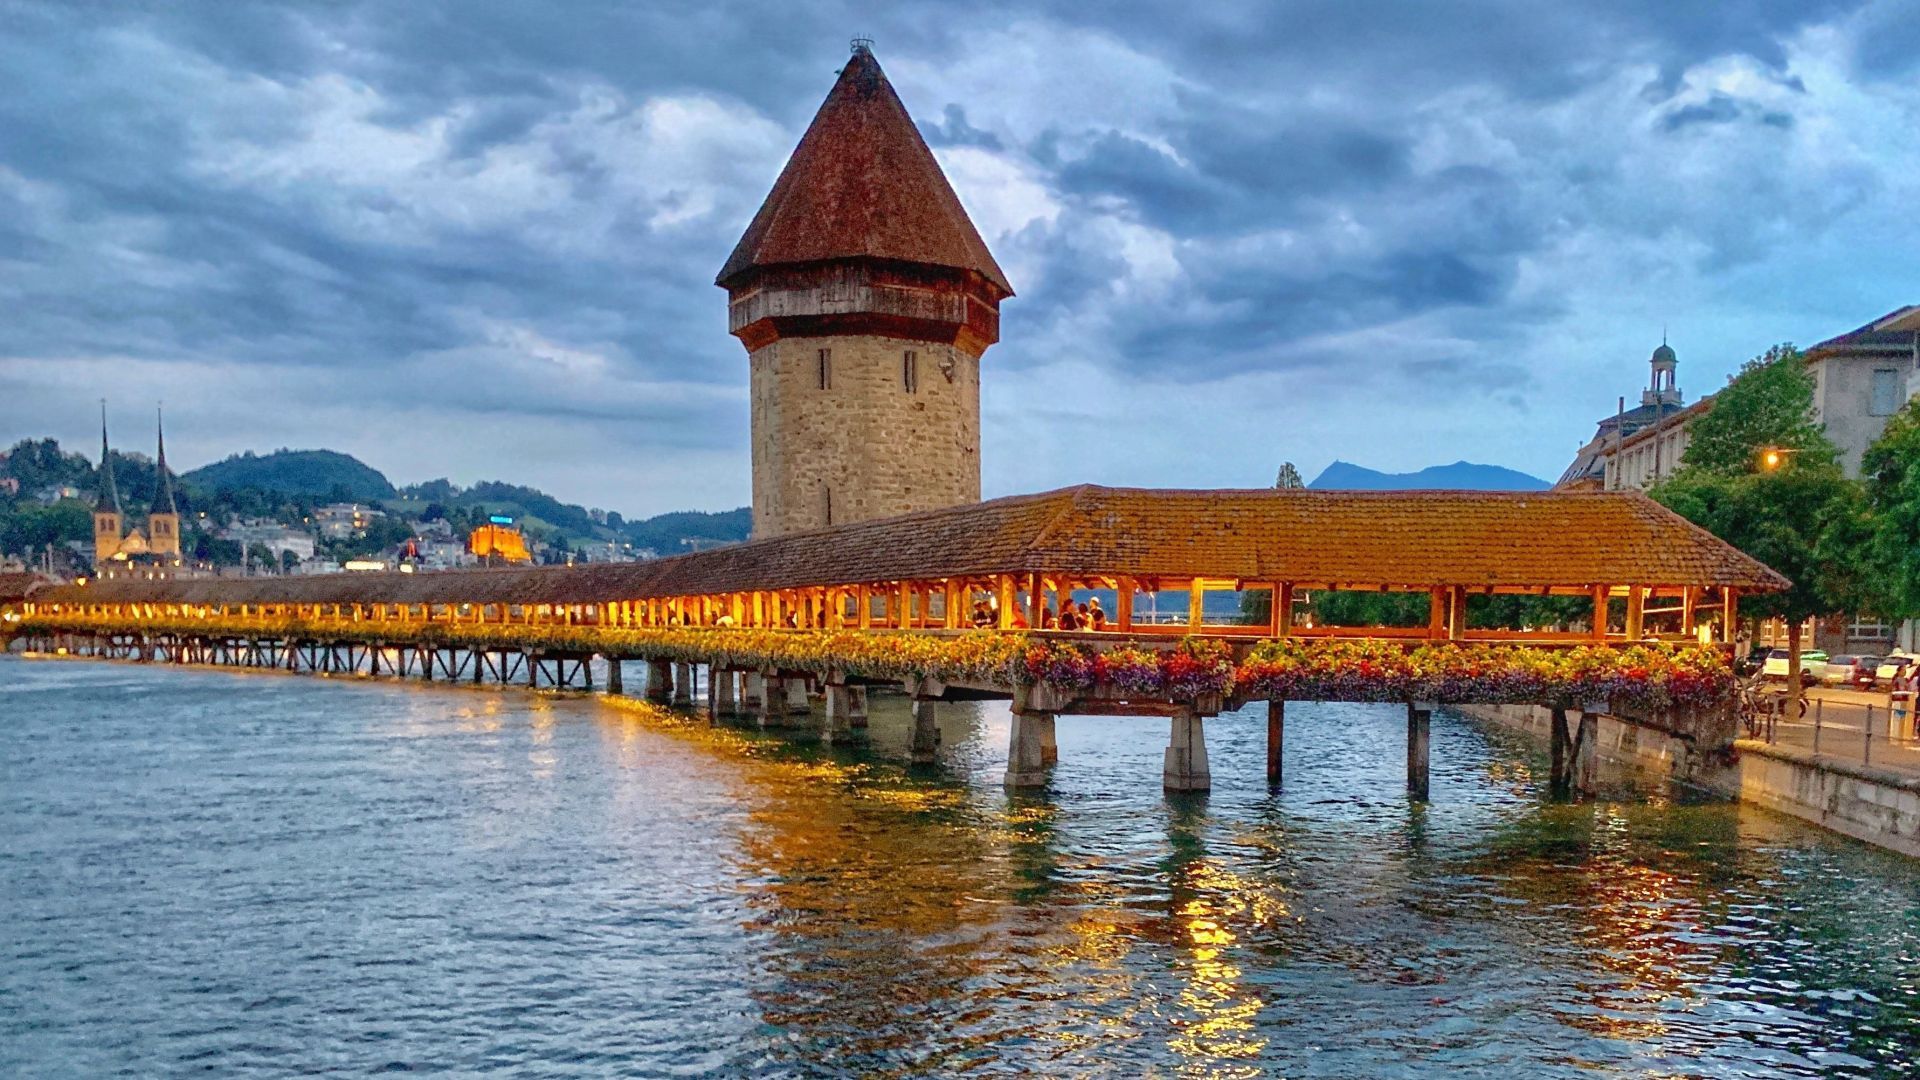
(109, 500)
(163, 496)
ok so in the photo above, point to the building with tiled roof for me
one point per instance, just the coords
(864, 297)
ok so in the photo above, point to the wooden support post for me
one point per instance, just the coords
(1560, 755)
(1196, 604)
(797, 704)
(1437, 614)
(1689, 597)
(1280, 621)
(1030, 749)
(1419, 734)
(1636, 608)
(659, 682)
(1007, 596)
(1123, 603)
(1586, 755)
(1184, 767)
(683, 684)
(1457, 613)
(836, 723)
(720, 693)
(615, 684)
(1036, 602)
(926, 731)
(866, 607)
(1276, 737)
(1600, 594)
(1730, 616)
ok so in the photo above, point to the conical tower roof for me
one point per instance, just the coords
(862, 183)
(109, 500)
(163, 496)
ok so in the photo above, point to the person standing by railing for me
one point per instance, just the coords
(1900, 701)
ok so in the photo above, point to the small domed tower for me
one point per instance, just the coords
(107, 518)
(163, 521)
(1663, 390)
(865, 299)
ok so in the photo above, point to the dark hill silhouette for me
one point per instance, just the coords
(312, 473)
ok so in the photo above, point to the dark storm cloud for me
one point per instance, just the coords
(495, 206)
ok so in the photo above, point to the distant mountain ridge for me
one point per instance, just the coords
(1459, 476)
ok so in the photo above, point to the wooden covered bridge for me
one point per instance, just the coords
(961, 603)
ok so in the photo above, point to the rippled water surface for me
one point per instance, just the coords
(270, 874)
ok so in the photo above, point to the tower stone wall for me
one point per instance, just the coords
(880, 435)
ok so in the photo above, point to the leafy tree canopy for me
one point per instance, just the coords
(1891, 470)
(1767, 405)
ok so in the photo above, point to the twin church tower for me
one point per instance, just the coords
(865, 298)
(113, 543)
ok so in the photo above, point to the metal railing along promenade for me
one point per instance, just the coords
(1877, 733)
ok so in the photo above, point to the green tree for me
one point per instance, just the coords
(1289, 477)
(1797, 513)
(1891, 471)
(29, 529)
(40, 463)
(1768, 405)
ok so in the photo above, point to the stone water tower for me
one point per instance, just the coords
(864, 297)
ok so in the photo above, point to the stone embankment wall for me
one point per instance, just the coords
(1879, 806)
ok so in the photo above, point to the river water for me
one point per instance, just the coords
(263, 874)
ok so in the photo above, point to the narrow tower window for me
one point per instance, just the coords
(910, 371)
(826, 369)
(828, 492)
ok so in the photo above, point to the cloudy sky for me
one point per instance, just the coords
(478, 239)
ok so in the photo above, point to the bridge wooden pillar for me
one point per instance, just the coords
(1559, 755)
(1185, 766)
(752, 692)
(1030, 749)
(926, 720)
(1276, 737)
(773, 700)
(1586, 755)
(683, 684)
(616, 685)
(1419, 731)
(836, 722)
(659, 682)
(797, 703)
(720, 693)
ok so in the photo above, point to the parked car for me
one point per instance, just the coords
(1811, 666)
(1890, 668)
(1851, 671)
(1750, 664)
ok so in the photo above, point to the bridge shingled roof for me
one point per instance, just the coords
(1413, 539)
